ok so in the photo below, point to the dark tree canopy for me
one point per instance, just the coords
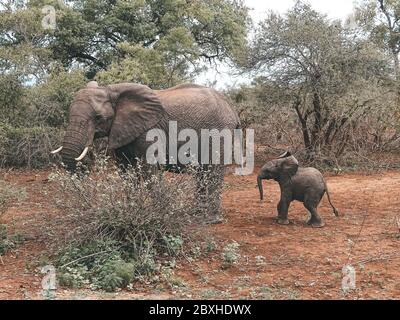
(124, 37)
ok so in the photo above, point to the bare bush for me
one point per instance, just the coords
(366, 143)
(123, 206)
(28, 147)
(127, 219)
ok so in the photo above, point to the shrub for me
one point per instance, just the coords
(50, 101)
(8, 194)
(11, 93)
(230, 254)
(210, 245)
(7, 241)
(116, 226)
(31, 147)
(98, 263)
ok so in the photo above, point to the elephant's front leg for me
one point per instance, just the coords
(209, 187)
(283, 210)
(127, 159)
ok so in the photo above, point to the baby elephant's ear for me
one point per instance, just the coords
(285, 155)
(289, 166)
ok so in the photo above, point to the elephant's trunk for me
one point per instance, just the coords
(76, 142)
(260, 186)
(72, 148)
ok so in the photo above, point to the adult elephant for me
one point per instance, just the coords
(126, 112)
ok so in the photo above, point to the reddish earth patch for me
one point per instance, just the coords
(276, 262)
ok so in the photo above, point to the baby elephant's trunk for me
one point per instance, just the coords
(260, 187)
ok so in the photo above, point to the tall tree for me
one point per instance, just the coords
(23, 42)
(330, 76)
(381, 19)
(153, 41)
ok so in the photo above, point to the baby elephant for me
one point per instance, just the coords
(306, 185)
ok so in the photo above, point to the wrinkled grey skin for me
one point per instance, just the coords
(306, 185)
(125, 112)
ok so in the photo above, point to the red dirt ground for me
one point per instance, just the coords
(294, 262)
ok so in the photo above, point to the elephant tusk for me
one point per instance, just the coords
(85, 151)
(56, 151)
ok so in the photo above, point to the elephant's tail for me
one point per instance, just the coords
(260, 187)
(330, 202)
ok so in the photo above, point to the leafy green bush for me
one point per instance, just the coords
(31, 147)
(173, 243)
(114, 274)
(230, 254)
(117, 226)
(50, 101)
(32, 117)
(11, 93)
(98, 263)
(210, 245)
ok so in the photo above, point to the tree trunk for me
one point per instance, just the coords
(397, 76)
(396, 64)
(304, 128)
(316, 132)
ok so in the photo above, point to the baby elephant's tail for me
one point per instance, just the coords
(330, 202)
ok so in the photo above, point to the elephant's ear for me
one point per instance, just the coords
(285, 155)
(137, 110)
(289, 166)
(92, 85)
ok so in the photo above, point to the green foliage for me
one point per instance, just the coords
(31, 117)
(114, 274)
(73, 277)
(230, 254)
(23, 41)
(210, 245)
(253, 103)
(144, 65)
(154, 42)
(8, 242)
(173, 243)
(8, 194)
(99, 264)
(172, 280)
(49, 102)
(381, 20)
(11, 92)
(183, 33)
(45, 104)
(176, 34)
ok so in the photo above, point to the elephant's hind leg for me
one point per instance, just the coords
(315, 220)
(209, 187)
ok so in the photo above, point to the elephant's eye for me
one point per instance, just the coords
(98, 117)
